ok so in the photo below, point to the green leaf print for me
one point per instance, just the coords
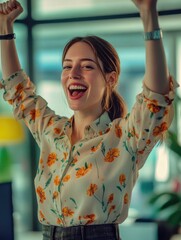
(160, 118)
(48, 181)
(86, 166)
(147, 130)
(73, 200)
(151, 115)
(103, 150)
(41, 174)
(124, 145)
(118, 187)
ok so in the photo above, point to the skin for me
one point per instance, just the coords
(156, 71)
(80, 68)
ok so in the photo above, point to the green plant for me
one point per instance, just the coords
(169, 202)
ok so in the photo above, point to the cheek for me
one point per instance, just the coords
(63, 83)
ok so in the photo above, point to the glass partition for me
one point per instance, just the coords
(46, 9)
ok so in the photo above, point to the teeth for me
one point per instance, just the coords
(77, 87)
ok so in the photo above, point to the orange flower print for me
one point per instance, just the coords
(141, 151)
(118, 131)
(50, 122)
(35, 113)
(111, 155)
(57, 130)
(65, 155)
(112, 208)
(52, 157)
(41, 194)
(165, 112)
(132, 133)
(83, 170)
(67, 212)
(74, 161)
(20, 98)
(66, 178)
(126, 199)
(19, 88)
(10, 102)
(22, 107)
(59, 221)
(95, 148)
(42, 217)
(111, 198)
(148, 142)
(56, 180)
(153, 108)
(122, 179)
(92, 189)
(160, 129)
(55, 195)
(41, 162)
(90, 218)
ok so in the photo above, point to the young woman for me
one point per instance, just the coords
(90, 162)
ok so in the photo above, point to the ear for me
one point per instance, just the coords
(111, 78)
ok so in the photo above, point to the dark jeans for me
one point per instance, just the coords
(82, 232)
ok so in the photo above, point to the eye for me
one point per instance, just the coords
(87, 67)
(66, 67)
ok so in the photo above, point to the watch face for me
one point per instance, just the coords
(155, 35)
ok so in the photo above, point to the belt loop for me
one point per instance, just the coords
(52, 232)
(82, 232)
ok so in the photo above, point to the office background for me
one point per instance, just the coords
(42, 31)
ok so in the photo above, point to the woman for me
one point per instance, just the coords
(89, 163)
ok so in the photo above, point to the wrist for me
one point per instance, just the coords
(150, 20)
(6, 28)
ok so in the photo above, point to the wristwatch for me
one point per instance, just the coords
(8, 36)
(154, 35)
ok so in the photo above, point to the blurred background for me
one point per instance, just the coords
(42, 31)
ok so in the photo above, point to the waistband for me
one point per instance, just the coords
(83, 232)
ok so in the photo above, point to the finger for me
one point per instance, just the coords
(4, 8)
(8, 9)
(11, 4)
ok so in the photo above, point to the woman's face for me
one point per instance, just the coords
(82, 79)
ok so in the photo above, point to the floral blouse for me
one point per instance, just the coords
(90, 182)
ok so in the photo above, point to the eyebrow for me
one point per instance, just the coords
(82, 59)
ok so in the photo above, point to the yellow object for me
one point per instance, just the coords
(11, 131)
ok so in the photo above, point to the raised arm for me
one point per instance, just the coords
(156, 74)
(9, 11)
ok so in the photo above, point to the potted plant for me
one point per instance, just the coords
(168, 202)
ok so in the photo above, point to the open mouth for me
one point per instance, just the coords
(77, 90)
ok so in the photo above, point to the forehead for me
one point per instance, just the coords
(80, 50)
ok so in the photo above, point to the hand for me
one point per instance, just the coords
(145, 5)
(9, 11)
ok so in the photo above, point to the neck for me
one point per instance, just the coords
(81, 120)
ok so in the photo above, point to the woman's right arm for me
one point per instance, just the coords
(10, 63)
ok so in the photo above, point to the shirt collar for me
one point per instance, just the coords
(97, 127)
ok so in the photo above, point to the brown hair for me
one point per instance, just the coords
(112, 102)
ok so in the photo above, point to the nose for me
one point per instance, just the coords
(75, 72)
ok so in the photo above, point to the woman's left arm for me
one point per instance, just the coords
(156, 73)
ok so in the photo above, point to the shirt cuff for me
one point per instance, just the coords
(162, 100)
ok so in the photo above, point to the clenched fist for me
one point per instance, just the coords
(9, 11)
